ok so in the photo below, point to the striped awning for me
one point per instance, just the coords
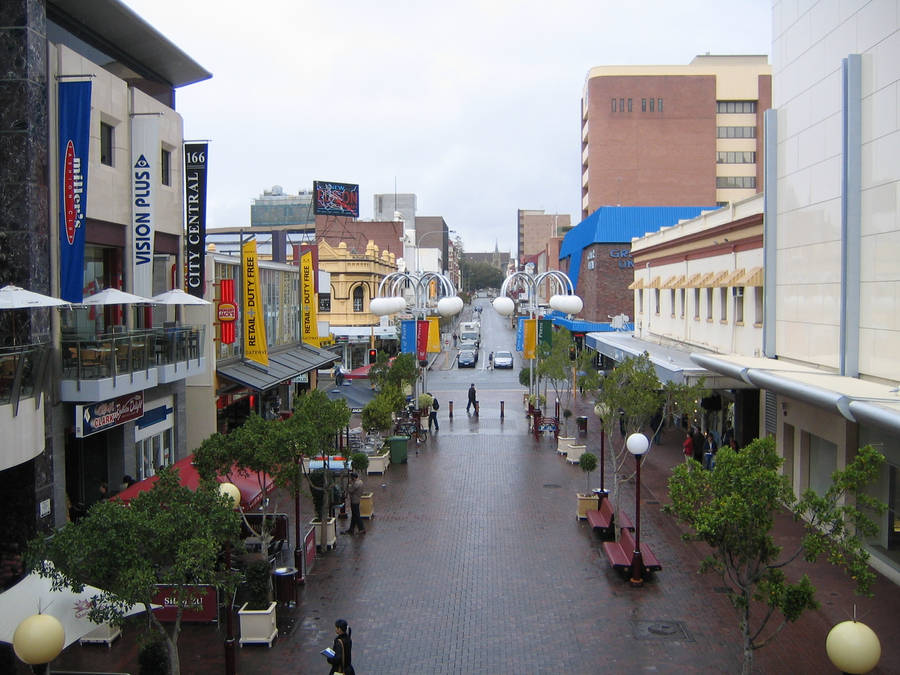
(692, 281)
(674, 282)
(753, 277)
(734, 277)
(707, 281)
(655, 283)
(635, 285)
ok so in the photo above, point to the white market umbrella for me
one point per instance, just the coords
(13, 297)
(177, 297)
(113, 296)
(34, 595)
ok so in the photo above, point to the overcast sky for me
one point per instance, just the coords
(472, 106)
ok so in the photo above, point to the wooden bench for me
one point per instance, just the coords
(542, 424)
(620, 552)
(602, 519)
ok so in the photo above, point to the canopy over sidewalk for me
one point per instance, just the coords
(252, 492)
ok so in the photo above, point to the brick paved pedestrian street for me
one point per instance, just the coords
(475, 563)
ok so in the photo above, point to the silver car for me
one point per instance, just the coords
(503, 360)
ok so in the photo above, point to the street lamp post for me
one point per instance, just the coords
(231, 491)
(637, 445)
(853, 647)
(38, 640)
(565, 301)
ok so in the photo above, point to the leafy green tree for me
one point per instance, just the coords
(479, 274)
(403, 370)
(732, 509)
(169, 535)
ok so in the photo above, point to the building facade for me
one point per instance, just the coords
(536, 228)
(673, 135)
(387, 205)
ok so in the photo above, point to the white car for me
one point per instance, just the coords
(503, 360)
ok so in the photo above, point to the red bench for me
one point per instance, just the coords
(542, 424)
(602, 519)
(620, 552)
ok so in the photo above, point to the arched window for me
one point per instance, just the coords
(358, 299)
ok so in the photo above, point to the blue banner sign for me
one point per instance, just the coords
(408, 336)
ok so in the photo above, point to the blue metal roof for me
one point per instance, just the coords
(619, 225)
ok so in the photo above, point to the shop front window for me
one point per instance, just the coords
(152, 453)
(358, 299)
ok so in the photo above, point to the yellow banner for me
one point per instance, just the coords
(434, 334)
(255, 347)
(308, 300)
(530, 339)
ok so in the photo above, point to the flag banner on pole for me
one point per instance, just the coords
(195, 156)
(520, 333)
(545, 332)
(226, 312)
(308, 299)
(74, 138)
(408, 336)
(434, 334)
(145, 159)
(255, 347)
(422, 340)
(530, 338)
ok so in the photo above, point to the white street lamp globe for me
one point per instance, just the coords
(449, 306)
(231, 491)
(504, 305)
(637, 444)
(381, 306)
(399, 304)
(853, 647)
(568, 304)
(39, 639)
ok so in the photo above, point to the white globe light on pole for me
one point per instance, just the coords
(449, 306)
(637, 445)
(39, 639)
(381, 306)
(567, 304)
(853, 647)
(504, 305)
(231, 491)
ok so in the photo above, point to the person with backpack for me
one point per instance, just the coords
(432, 414)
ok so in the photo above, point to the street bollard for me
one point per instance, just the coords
(451, 410)
(501, 410)
(476, 408)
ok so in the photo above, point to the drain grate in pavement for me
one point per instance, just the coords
(552, 485)
(660, 630)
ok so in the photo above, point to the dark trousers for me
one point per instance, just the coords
(355, 519)
(432, 419)
(470, 403)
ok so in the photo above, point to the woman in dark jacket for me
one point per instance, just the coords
(341, 662)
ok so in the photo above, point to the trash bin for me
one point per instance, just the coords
(398, 449)
(581, 424)
(285, 588)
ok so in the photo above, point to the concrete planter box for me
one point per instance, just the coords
(102, 634)
(326, 533)
(562, 444)
(366, 505)
(379, 463)
(588, 502)
(574, 453)
(258, 625)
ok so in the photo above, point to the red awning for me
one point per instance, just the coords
(251, 492)
(363, 371)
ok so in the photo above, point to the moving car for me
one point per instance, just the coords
(503, 360)
(469, 346)
(466, 358)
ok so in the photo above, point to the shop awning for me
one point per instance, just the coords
(674, 282)
(671, 364)
(635, 285)
(283, 366)
(692, 281)
(655, 282)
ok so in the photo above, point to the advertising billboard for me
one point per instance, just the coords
(335, 199)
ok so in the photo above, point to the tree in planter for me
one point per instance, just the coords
(169, 535)
(403, 370)
(588, 463)
(732, 509)
(378, 413)
(567, 415)
(359, 462)
(258, 577)
(630, 395)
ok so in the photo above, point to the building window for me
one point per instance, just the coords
(723, 296)
(659, 105)
(738, 293)
(613, 105)
(696, 304)
(758, 305)
(656, 300)
(683, 298)
(736, 157)
(672, 301)
(324, 302)
(358, 299)
(152, 453)
(643, 105)
(728, 107)
(709, 303)
(735, 132)
(640, 301)
(652, 105)
(621, 105)
(165, 167)
(590, 264)
(107, 143)
(629, 105)
(735, 182)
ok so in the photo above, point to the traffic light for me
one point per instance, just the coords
(373, 355)
(572, 353)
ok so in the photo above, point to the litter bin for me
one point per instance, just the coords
(581, 424)
(285, 588)
(398, 449)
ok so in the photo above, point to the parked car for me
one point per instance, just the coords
(503, 360)
(466, 358)
(469, 346)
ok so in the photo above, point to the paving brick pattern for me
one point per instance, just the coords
(475, 563)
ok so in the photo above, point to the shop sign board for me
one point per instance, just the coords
(202, 609)
(96, 417)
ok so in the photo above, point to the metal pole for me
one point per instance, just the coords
(229, 620)
(637, 562)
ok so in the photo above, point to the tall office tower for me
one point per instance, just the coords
(387, 204)
(674, 135)
(276, 207)
(536, 228)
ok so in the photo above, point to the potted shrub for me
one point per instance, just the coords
(587, 500)
(563, 440)
(359, 462)
(322, 486)
(257, 615)
(153, 656)
(424, 403)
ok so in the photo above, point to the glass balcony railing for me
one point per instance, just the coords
(21, 367)
(116, 354)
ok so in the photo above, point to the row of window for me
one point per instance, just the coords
(737, 294)
(647, 105)
(108, 144)
(735, 106)
(735, 132)
(727, 182)
(736, 157)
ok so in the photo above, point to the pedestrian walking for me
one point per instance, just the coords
(709, 451)
(354, 492)
(341, 661)
(432, 414)
(472, 395)
(688, 446)
(491, 361)
(338, 374)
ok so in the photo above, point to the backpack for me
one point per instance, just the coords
(435, 404)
